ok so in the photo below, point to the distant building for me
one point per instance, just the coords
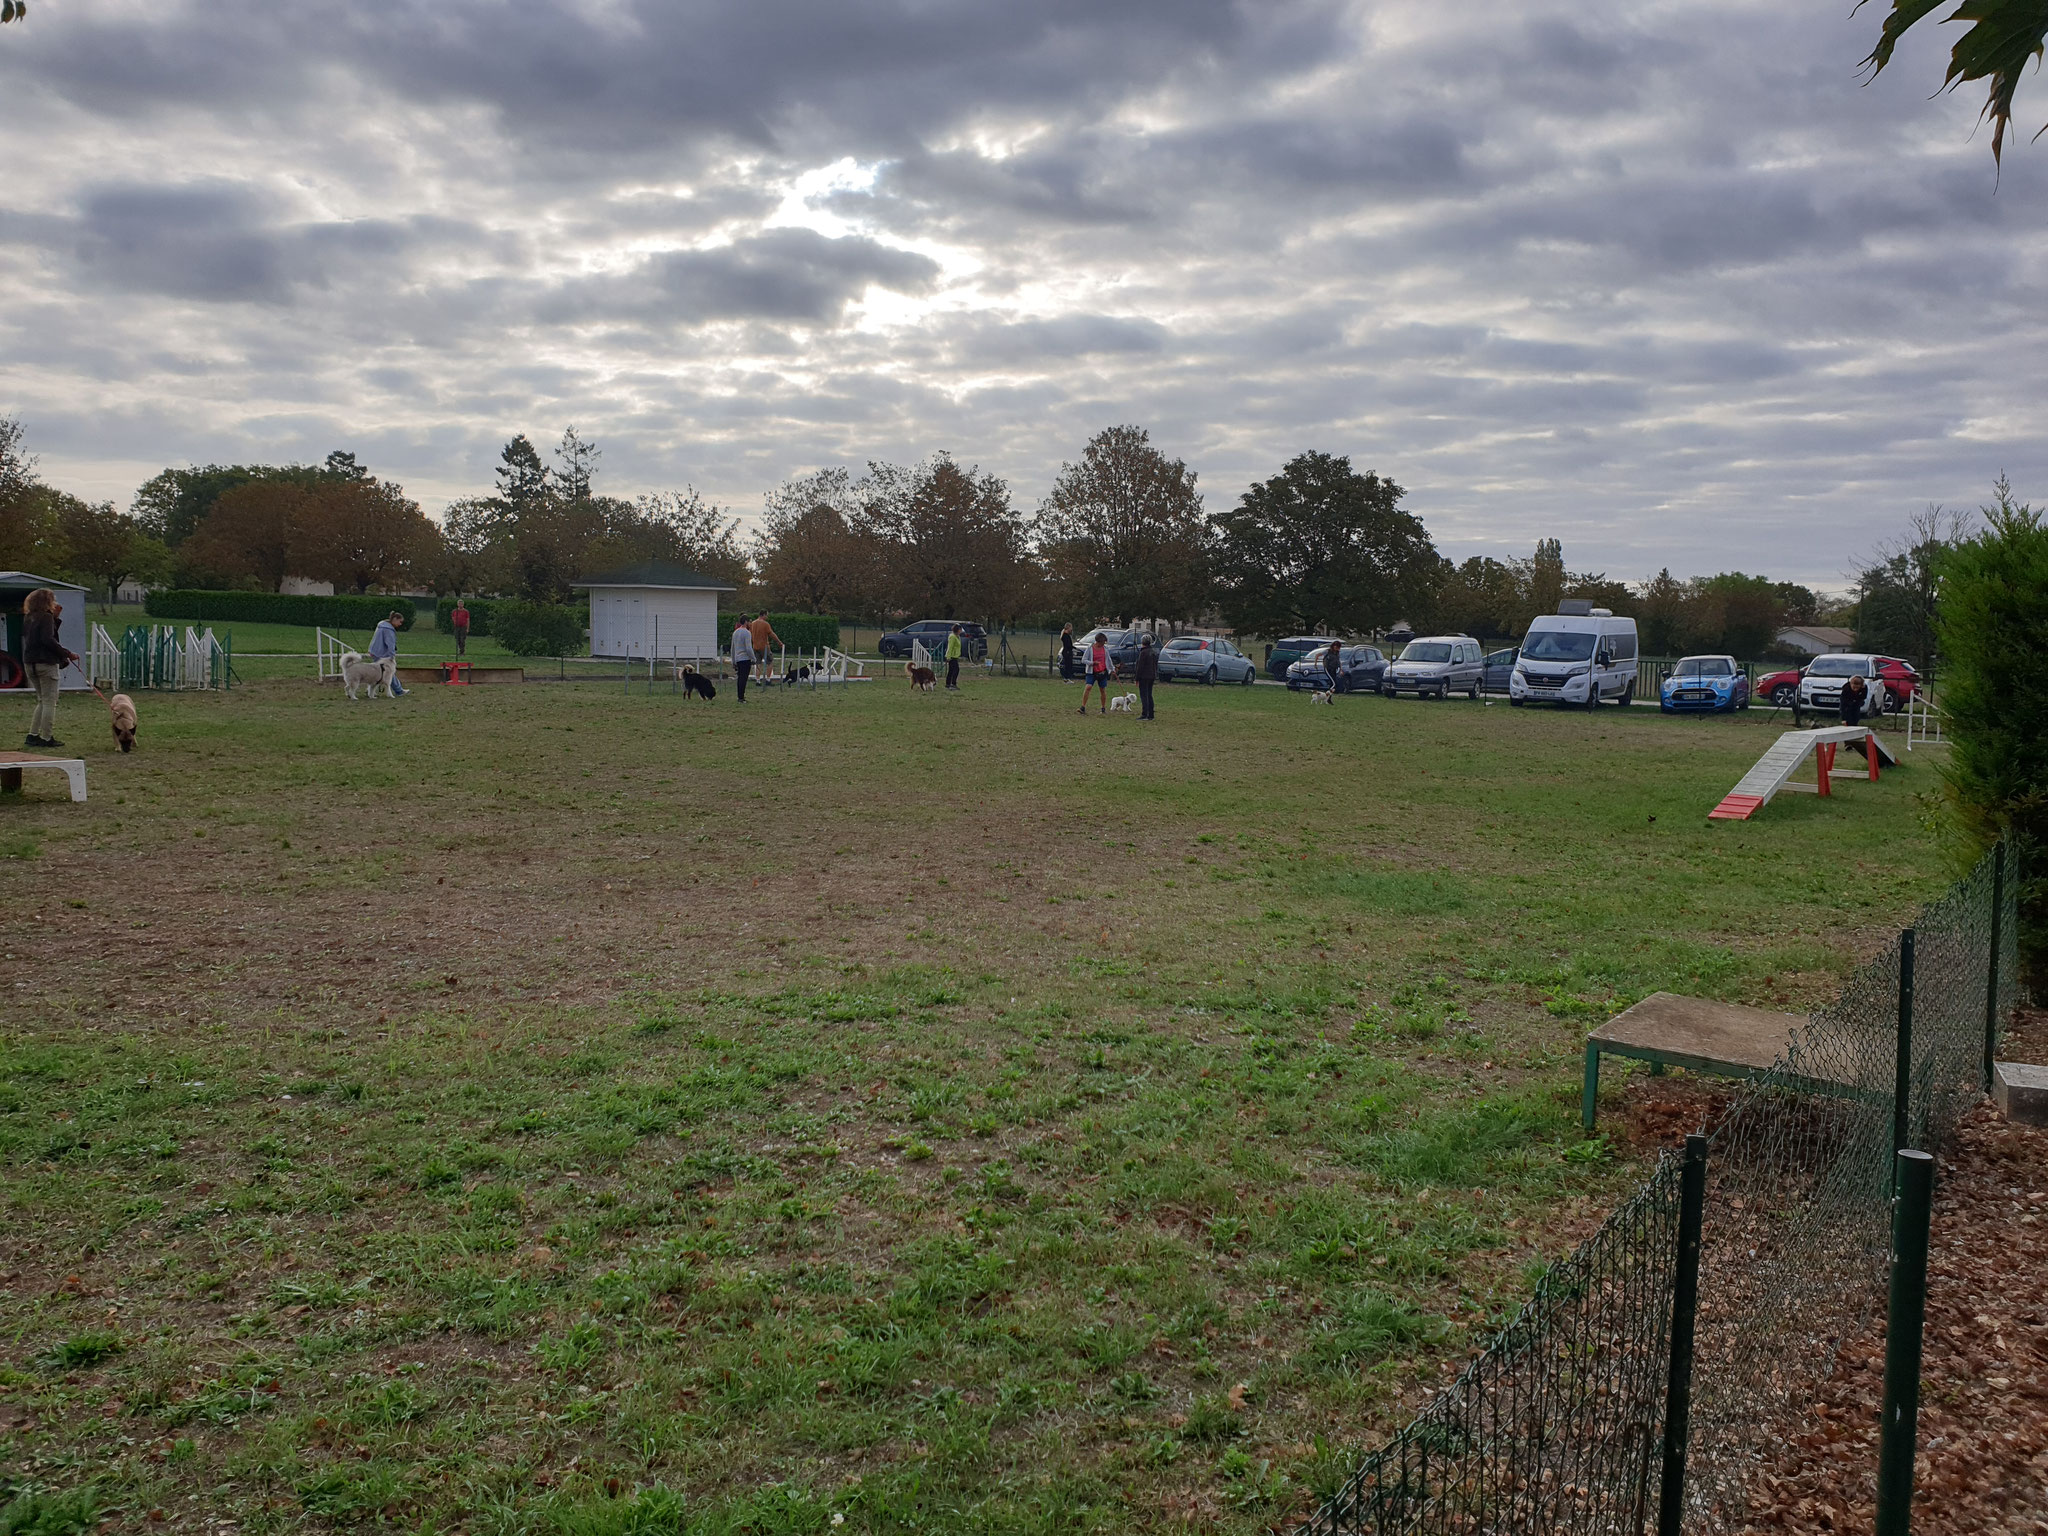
(1816, 640)
(654, 609)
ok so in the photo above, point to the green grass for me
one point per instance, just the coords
(554, 1109)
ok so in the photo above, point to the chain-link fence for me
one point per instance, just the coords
(1560, 1424)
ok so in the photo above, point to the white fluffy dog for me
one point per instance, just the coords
(358, 673)
(1322, 696)
(1125, 702)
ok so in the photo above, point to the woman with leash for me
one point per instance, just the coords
(1098, 674)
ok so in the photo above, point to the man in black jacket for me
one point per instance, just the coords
(45, 659)
(1148, 674)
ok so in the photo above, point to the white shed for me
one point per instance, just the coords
(73, 627)
(654, 609)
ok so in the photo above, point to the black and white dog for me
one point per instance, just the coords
(697, 684)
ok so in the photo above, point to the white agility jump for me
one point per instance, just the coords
(1774, 770)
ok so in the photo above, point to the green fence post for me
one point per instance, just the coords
(1902, 1076)
(1685, 1299)
(1991, 985)
(1904, 1317)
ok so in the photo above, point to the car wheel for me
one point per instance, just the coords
(1210, 677)
(1472, 693)
(1515, 702)
(1628, 694)
(1250, 674)
(1784, 693)
(1666, 709)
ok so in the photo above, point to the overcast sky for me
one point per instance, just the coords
(1664, 281)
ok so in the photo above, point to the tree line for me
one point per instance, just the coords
(1123, 535)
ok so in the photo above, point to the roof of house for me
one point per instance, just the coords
(1827, 634)
(654, 573)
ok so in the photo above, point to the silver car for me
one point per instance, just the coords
(1437, 667)
(1203, 659)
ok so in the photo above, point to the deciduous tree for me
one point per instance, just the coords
(1321, 546)
(1122, 532)
(950, 544)
(2004, 35)
(809, 555)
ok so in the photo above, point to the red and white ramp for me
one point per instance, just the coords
(1774, 770)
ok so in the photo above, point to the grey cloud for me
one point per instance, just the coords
(793, 275)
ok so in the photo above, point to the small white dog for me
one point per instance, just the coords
(358, 673)
(1125, 702)
(1322, 696)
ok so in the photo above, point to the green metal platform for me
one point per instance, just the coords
(1667, 1030)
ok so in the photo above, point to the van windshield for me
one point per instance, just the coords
(1557, 645)
(1427, 650)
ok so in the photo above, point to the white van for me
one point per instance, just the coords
(1578, 655)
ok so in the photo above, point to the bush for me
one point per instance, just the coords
(536, 629)
(346, 611)
(1992, 634)
(799, 631)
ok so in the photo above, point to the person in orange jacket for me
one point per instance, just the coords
(764, 636)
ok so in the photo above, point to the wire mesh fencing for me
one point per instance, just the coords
(1559, 1425)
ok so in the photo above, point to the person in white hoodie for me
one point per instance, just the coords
(742, 655)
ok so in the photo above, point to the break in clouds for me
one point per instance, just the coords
(1663, 281)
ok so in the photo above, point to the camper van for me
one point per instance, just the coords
(1578, 655)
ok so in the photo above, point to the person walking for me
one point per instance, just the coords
(742, 655)
(1854, 694)
(45, 658)
(953, 660)
(384, 647)
(459, 621)
(1148, 674)
(1067, 654)
(1098, 673)
(763, 635)
(1333, 660)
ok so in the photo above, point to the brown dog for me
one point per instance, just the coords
(122, 710)
(922, 678)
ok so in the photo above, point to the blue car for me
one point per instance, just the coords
(1705, 684)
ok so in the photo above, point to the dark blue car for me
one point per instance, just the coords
(1360, 669)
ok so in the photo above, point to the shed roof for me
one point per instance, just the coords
(1827, 634)
(654, 573)
(28, 581)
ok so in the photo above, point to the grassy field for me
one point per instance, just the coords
(553, 1109)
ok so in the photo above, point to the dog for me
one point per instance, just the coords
(922, 678)
(800, 674)
(358, 673)
(1322, 696)
(1123, 701)
(122, 709)
(697, 685)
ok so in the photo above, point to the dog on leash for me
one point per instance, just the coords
(697, 685)
(1124, 702)
(922, 678)
(358, 673)
(1322, 696)
(122, 710)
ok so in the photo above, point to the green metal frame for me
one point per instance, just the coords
(1659, 1060)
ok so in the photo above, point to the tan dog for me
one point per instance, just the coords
(922, 678)
(122, 710)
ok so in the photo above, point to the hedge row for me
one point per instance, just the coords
(339, 612)
(481, 610)
(536, 629)
(799, 631)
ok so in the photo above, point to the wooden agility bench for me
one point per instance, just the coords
(1666, 1030)
(1774, 770)
(12, 764)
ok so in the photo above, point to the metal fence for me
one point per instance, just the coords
(1612, 1401)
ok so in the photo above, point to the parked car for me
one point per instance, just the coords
(933, 632)
(1203, 659)
(1287, 652)
(1820, 684)
(1438, 666)
(1499, 667)
(1900, 679)
(1360, 669)
(1704, 683)
(1578, 655)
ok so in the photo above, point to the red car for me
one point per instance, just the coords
(1899, 682)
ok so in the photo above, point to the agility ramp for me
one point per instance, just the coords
(1774, 770)
(1667, 1030)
